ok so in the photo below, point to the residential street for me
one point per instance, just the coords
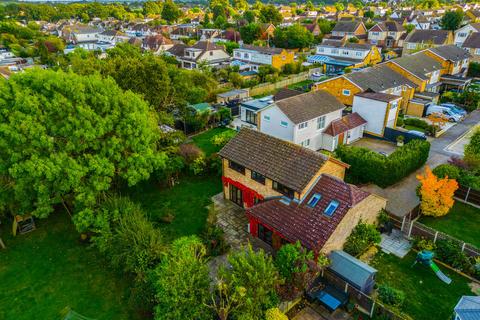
(401, 196)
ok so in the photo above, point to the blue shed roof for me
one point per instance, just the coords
(468, 308)
(350, 268)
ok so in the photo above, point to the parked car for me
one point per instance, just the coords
(446, 112)
(316, 76)
(417, 133)
(454, 108)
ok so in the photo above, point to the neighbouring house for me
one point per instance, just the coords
(422, 39)
(113, 36)
(473, 15)
(208, 34)
(467, 308)
(249, 110)
(421, 23)
(187, 30)
(349, 29)
(454, 61)
(379, 78)
(345, 130)
(380, 111)
(335, 58)
(357, 273)
(267, 31)
(462, 33)
(250, 58)
(302, 119)
(158, 44)
(314, 28)
(472, 45)
(203, 52)
(79, 33)
(388, 34)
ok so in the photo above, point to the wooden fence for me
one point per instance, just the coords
(365, 302)
(269, 87)
(468, 195)
(412, 228)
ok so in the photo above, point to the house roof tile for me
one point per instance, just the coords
(451, 52)
(418, 64)
(310, 226)
(437, 37)
(282, 161)
(344, 124)
(308, 106)
(378, 78)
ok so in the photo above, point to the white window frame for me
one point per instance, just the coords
(346, 92)
(302, 125)
(284, 124)
(321, 122)
(305, 143)
(266, 118)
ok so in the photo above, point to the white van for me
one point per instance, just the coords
(449, 114)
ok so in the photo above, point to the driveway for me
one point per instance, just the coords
(375, 145)
(401, 196)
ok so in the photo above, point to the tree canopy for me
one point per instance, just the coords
(293, 37)
(451, 20)
(66, 138)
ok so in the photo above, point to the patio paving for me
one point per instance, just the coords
(318, 312)
(395, 243)
(232, 219)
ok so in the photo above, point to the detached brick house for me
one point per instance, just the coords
(292, 193)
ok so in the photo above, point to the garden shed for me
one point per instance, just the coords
(467, 308)
(357, 273)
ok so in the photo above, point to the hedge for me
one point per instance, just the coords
(419, 123)
(367, 166)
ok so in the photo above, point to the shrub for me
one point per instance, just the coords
(362, 237)
(474, 69)
(189, 152)
(421, 243)
(400, 122)
(368, 166)
(275, 314)
(447, 170)
(391, 296)
(419, 123)
(198, 165)
(222, 139)
(450, 252)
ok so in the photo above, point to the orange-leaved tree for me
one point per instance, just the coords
(436, 194)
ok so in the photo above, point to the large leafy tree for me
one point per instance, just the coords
(293, 37)
(67, 138)
(170, 11)
(270, 14)
(250, 32)
(255, 272)
(451, 20)
(182, 283)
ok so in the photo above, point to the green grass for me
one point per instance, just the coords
(186, 201)
(462, 222)
(300, 85)
(426, 296)
(409, 127)
(47, 270)
(203, 140)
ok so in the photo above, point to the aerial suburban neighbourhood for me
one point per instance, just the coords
(240, 160)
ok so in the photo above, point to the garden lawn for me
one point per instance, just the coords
(203, 140)
(426, 296)
(47, 270)
(301, 85)
(462, 222)
(187, 201)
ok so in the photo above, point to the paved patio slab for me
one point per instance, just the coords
(395, 243)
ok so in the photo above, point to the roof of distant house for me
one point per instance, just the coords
(264, 50)
(385, 97)
(306, 223)
(284, 93)
(308, 106)
(177, 50)
(451, 52)
(346, 26)
(348, 122)
(468, 308)
(156, 41)
(437, 37)
(285, 162)
(378, 78)
(419, 64)
(472, 41)
(388, 26)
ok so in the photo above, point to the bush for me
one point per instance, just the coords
(450, 252)
(419, 123)
(400, 122)
(391, 296)
(368, 166)
(189, 152)
(447, 170)
(222, 139)
(362, 237)
(275, 314)
(421, 243)
(198, 166)
(474, 69)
